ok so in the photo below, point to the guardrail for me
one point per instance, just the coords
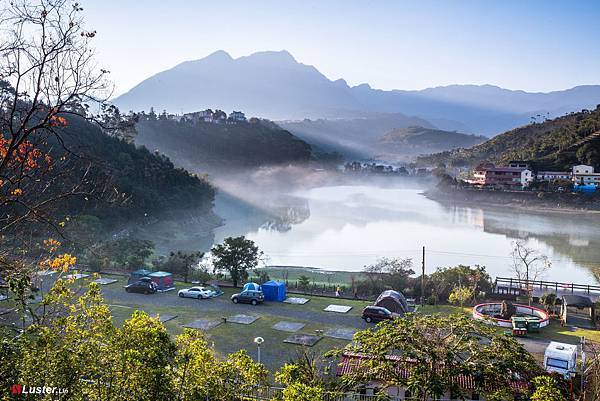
(516, 286)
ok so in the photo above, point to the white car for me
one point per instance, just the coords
(196, 292)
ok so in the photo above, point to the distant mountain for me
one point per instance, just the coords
(213, 147)
(356, 137)
(414, 141)
(276, 86)
(554, 144)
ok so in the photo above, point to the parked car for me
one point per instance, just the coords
(248, 297)
(142, 286)
(196, 292)
(377, 314)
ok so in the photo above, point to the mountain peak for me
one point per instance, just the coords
(272, 55)
(219, 55)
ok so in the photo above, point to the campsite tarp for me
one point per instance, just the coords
(163, 280)
(274, 291)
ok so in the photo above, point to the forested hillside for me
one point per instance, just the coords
(421, 140)
(209, 146)
(354, 137)
(552, 144)
(146, 183)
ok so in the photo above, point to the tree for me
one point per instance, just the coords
(528, 264)
(47, 72)
(128, 252)
(303, 378)
(549, 301)
(389, 273)
(303, 282)
(445, 279)
(236, 256)
(421, 344)
(79, 349)
(460, 295)
(547, 389)
(182, 263)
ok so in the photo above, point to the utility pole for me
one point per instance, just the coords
(423, 278)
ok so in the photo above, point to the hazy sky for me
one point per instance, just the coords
(531, 45)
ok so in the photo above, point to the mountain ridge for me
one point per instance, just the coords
(275, 85)
(554, 144)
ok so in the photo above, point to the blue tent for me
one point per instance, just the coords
(137, 275)
(251, 287)
(586, 189)
(274, 291)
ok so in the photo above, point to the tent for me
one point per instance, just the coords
(393, 301)
(163, 280)
(586, 189)
(578, 310)
(274, 291)
(137, 275)
(251, 287)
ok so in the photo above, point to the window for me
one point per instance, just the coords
(557, 363)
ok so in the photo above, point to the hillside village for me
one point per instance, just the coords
(520, 175)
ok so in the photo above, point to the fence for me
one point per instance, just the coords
(516, 286)
(276, 393)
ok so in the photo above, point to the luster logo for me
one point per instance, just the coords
(16, 389)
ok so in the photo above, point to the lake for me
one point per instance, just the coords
(345, 227)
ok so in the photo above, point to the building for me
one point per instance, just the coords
(584, 175)
(352, 362)
(237, 116)
(487, 175)
(553, 175)
(582, 169)
(519, 164)
(206, 115)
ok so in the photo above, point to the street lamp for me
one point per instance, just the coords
(258, 341)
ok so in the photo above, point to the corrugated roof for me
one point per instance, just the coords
(350, 363)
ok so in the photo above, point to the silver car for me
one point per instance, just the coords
(196, 292)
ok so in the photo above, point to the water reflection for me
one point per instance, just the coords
(346, 227)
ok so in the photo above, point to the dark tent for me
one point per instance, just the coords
(137, 275)
(574, 311)
(392, 301)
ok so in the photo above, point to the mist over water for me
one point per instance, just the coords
(322, 222)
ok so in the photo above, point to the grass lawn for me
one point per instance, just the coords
(316, 276)
(570, 335)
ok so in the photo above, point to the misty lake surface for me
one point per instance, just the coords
(346, 227)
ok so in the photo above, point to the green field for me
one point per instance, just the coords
(316, 276)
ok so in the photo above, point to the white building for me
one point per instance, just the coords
(583, 169)
(553, 175)
(584, 175)
(237, 116)
(526, 177)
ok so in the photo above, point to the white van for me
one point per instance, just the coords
(561, 358)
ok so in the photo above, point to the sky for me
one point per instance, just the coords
(532, 45)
